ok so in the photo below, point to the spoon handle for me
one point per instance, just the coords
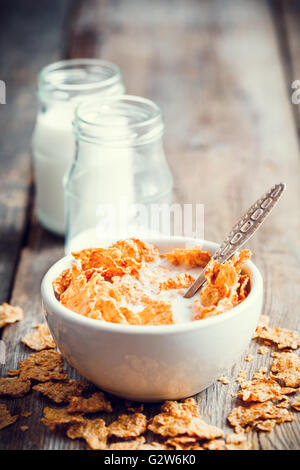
(242, 231)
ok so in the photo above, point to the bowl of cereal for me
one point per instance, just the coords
(119, 317)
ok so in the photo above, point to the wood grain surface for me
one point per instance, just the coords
(216, 70)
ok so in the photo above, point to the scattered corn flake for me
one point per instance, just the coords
(168, 425)
(263, 350)
(94, 432)
(61, 392)
(181, 280)
(134, 444)
(6, 419)
(39, 339)
(24, 428)
(43, 366)
(266, 425)
(224, 380)
(10, 314)
(182, 419)
(296, 403)
(283, 338)
(180, 409)
(183, 443)
(26, 414)
(193, 256)
(251, 415)
(260, 390)
(249, 358)
(126, 426)
(286, 367)
(56, 417)
(97, 402)
(134, 406)
(14, 387)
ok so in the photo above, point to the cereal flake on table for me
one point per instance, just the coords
(127, 426)
(61, 392)
(39, 339)
(14, 387)
(43, 366)
(10, 314)
(96, 402)
(6, 419)
(93, 431)
(54, 417)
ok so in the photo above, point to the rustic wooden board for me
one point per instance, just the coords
(216, 71)
(26, 46)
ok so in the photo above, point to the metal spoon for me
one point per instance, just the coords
(242, 231)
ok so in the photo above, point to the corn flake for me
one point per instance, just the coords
(182, 419)
(157, 313)
(128, 426)
(286, 367)
(260, 390)
(6, 419)
(283, 338)
(61, 392)
(10, 314)
(93, 431)
(40, 339)
(97, 402)
(193, 257)
(252, 415)
(182, 280)
(43, 366)
(54, 417)
(14, 387)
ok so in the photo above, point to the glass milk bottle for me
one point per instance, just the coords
(118, 171)
(61, 86)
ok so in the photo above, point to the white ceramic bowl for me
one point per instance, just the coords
(153, 363)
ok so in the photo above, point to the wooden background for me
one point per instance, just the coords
(222, 73)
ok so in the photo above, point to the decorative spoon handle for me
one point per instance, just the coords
(242, 231)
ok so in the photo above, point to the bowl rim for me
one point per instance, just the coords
(49, 299)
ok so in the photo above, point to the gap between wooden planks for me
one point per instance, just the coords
(216, 71)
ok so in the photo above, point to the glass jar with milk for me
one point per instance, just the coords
(118, 173)
(61, 86)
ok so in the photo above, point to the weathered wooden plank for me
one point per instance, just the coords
(26, 46)
(215, 69)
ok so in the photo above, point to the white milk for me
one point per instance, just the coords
(110, 177)
(53, 146)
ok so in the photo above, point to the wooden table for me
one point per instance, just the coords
(222, 73)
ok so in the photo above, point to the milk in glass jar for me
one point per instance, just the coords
(119, 171)
(61, 86)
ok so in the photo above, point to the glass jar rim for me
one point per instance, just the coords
(148, 126)
(50, 77)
